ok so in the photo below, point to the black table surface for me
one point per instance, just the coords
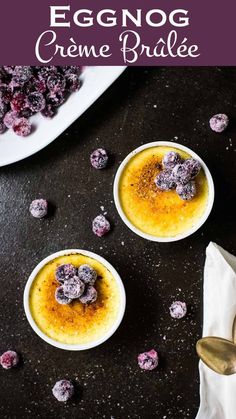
(143, 105)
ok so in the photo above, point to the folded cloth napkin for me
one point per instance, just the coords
(218, 392)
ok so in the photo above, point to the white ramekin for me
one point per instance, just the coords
(68, 346)
(187, 233)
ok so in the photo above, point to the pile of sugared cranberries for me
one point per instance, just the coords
(178, 174)
(25, 91)
(76, 283)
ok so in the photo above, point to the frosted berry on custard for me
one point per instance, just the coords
(89, 296)
(193, 166)
(148, 360)
(73, 287)
(87, 274)
(181, 174)
(64, 272)
(170, 160)
(186, 192)
(164, 180)
(60, 296)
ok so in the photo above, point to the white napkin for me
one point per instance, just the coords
(217, 392)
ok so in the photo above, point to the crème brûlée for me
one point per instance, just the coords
(75, 323)
(152, 211)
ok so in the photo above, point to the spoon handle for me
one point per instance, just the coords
(234, 330)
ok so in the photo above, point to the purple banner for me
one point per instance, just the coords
(130, 32)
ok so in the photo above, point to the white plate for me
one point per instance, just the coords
(95, 80)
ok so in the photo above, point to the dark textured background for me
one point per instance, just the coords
(142, 106)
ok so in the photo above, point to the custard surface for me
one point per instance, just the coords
(74, 323)
(155, 212)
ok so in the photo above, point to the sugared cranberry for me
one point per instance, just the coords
(10, 118)
(87, 274)
(73, 287)
(63, 390)
(186, 192)
(219, 122)
(39, 208)
(49, 111)
(22, 127)
(18, 101)
(193, 166)
(99, 158)
(178, 309)
(148, 360)
(56, 83)
(26, 113)
(89, 296)
(40, 85)
(21, 75)
(36, 101)
(100, 226)
(64, 272)
(45, 71)
(5, 93)
(71, 69)
(55, 99)
(60, 296)
(170, 160)
(164, 180)
(72, 82)
(9, 359)
(181, 174)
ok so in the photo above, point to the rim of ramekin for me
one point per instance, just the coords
(201, 221)
(77, 347)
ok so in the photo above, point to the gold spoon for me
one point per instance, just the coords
(218, 354)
